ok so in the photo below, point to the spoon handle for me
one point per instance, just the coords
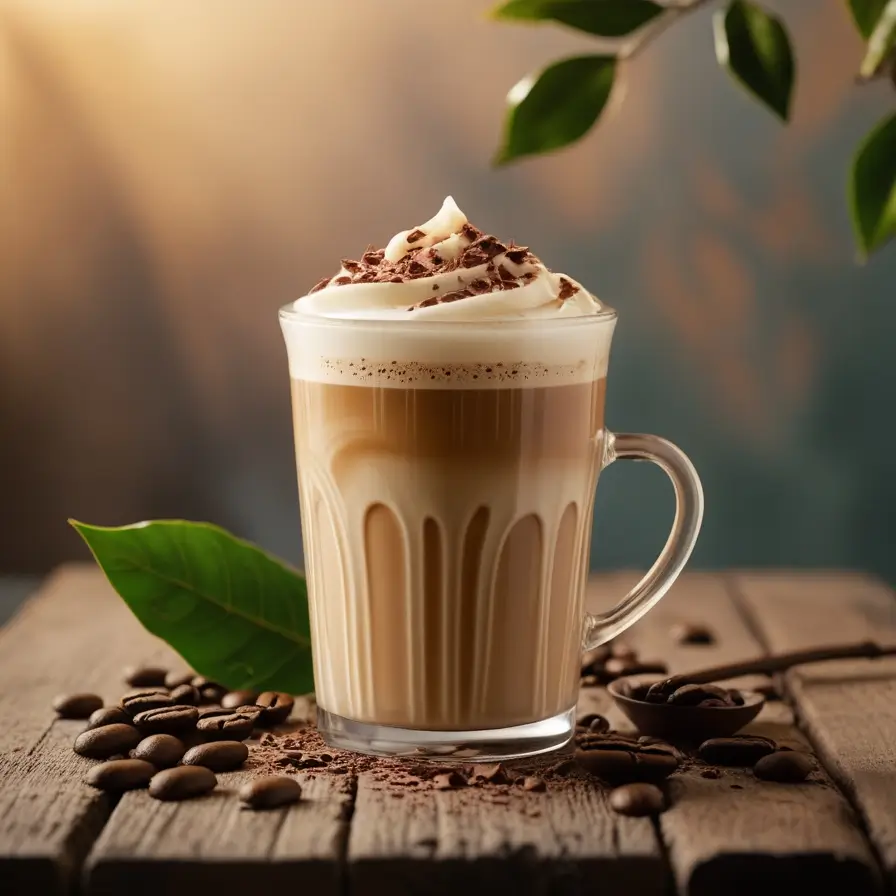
(782, 661)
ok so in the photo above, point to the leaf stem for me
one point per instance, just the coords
(675, 11)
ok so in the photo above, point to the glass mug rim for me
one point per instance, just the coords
(604, 315)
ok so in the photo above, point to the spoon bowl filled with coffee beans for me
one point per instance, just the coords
(691, 707)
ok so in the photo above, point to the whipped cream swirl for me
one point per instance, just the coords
(447, 269)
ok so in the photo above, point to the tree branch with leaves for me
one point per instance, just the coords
(558, 105)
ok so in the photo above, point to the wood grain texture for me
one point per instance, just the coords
(472, 842)
(735, 834)
(847, 707)
(77, 635)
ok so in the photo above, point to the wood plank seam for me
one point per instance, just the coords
(782, 683)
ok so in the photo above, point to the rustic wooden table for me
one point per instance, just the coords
(725, 837)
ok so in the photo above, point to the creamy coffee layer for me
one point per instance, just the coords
(446, 541)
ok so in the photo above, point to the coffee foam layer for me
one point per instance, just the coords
(447, 356)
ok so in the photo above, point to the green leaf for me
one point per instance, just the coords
(236, 614)
(872, 188)
(881, 42)
(605, 18)
(753, 45)
(865, 14)
(556, 107)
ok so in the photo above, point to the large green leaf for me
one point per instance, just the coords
(753, 45)
(872, 187)
(557, 106)
(881, 41)
(865, 14)
(605, 18)
(236, 614)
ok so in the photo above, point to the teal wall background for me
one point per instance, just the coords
(171, 176)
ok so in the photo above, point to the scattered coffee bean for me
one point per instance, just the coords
(119, 775)
(176, 679)
(449, 781)
(637, 800)
(594, 658)
(695, 694)
(144, 676)
(534, 784)
(276, 708)
(224, 725)
(162, 750)
(491, 774)
(610, 765)
(741, 750)
(108, 715)
(654, 767)
(182, 783)
(621, 651)
(210, 691)
(76, 706)
(219, 756)
(270, 793)
(785, 767)
(185, 695)
(145, 699)
(167, 720)
(100, 743)
(233, 699)
(593, 722)
(692, 633)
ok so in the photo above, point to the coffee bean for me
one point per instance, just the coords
(219, 756)
(145, 699)
(449, 781)
(108, 715)
(637, 800)
(176, 679)
(621, 651)
(595, 658)
(185, 695)
(594, 722)
(211, 691)
(654, 766)
(607, 742)
(742, 750)
(76, 706)
(270, 792)
(610, 765)
(162, 750)
(785, 767)
(100, 743)
(492, 774)
(233, 699)
(692, 633)
(182, 783)
(224, 725)
(144, 676)
(276, 708)
(695, 694)
(167, 720)
(120, 775)
(534, 784)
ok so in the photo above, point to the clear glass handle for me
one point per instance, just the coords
(685, 529)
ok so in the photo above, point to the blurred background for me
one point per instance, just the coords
(170, 174)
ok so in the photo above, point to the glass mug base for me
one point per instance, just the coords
(489, 745)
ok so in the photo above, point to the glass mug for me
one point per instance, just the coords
(447, 473)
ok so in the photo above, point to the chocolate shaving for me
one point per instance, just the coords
(518, 254)
(353, 267)
(470, 232)
(415, 235)
(342, 281)
(567, 289)
(319, 285)
(473, 257)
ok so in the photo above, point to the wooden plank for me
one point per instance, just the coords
(847, 707)
(737, 834)
(467, 841)
(566, 840)
(76, 634)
